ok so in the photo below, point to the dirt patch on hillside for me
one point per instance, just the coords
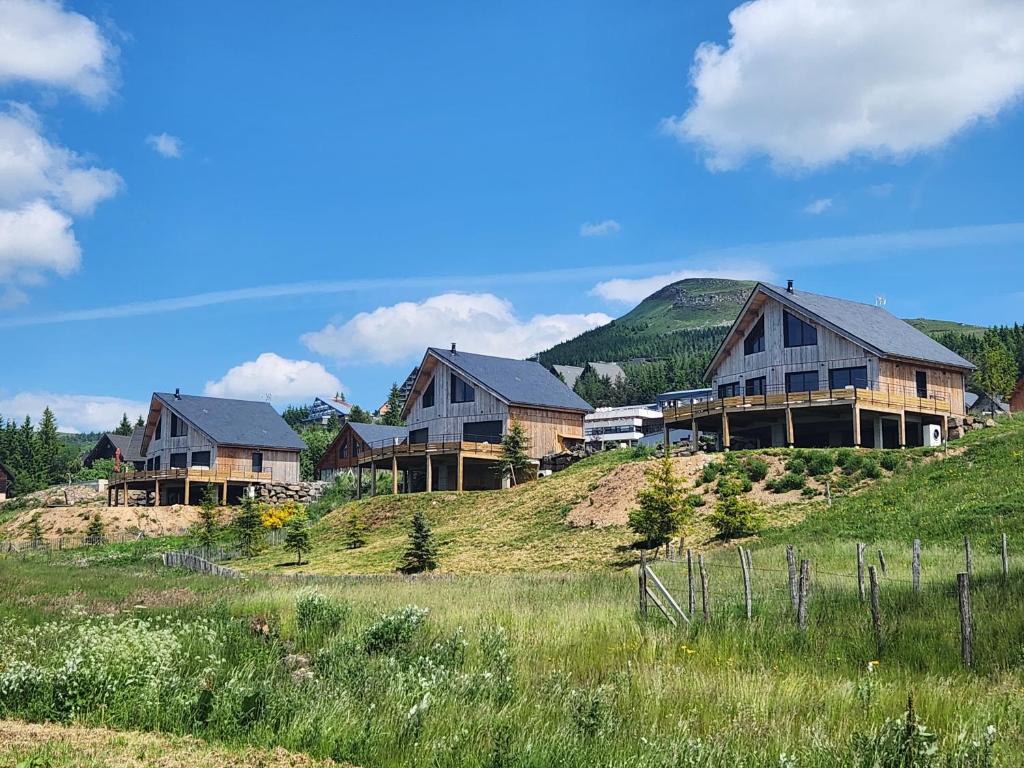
(72, 746)
(73, 521)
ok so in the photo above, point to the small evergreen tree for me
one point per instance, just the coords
(206, 530)
(514, 461)
(247, 526)
(663, 507)
(420, 555)
(393, 410)
(296, 537)
(360, 415)
(125, 427)
(997, 371)
(35, 529)
(139, 422)
(354, 530)
(94, 533)
(736, 516)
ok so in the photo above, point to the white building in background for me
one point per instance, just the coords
(608, 427)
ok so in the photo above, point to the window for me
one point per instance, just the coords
(838, 378)
(257, 461)
(921, 378)
(802, 381)
(178, 426)
(179, 460)
(461, 391)
(201, 459)
(755, 339)
(343, 449)
(428, 394)
(482, 431)
(156, 463)
(797, 333)
(755, 386)
(419, 436)
(728, 390)
(159, 424)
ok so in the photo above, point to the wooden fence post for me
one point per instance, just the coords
(705, 602)
(876, 613)
(915, 565)
(968, 560)
(881, 562)
(963, 585)
(642, 579)
(791, 563)
(1006, 559)
(801, 610)
(860, 571)
(692, 599)
(745, 567)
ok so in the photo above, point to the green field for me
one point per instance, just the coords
(558, 668)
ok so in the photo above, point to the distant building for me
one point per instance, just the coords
(682, 396)
(571, 373)
(623, 424)
(985, 405)
(111, 445)
(6, 478)
(353, 441)
(326, 408)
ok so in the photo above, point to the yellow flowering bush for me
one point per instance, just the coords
(277, 515)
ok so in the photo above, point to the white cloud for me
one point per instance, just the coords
(478, 322)
(818, 206)
(74, 413)
(270, 374)
(164, 144)
(634, 290)
(34, 240)
(811, 82)
(600, 229)
(44, 44)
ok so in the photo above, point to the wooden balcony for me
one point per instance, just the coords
(193, 475)
(467, 448)
(892, 400)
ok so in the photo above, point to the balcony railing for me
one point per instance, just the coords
(387, 449)
(777, 396)
(193, 474)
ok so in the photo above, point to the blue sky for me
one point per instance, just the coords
(240, 200)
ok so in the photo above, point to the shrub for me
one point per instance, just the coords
(796, 465)
(276, 516)
(844, 456)
(891, 461)
(756, 468)
(247, 526)
(696, 500)
(733, 485)
(420, 555)
(662, 507)
(297, 536)
(735, 516)
(790, 481)
(591, 710)
(869, 468)
(353, 531)
(393, 632)
(820, 462)
(710, 471)
(316, 611)
(641, 452)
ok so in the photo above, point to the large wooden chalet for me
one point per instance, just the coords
(190, 441)
(127, 448)
(458, 410)
(800, 369)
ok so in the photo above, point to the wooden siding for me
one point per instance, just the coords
(548, 431)
(332, 462)
(444, 419)
(944, 384)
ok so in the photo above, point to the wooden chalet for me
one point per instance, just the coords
(354, 440)
(6, 479)
(189, 441)
(458, 411)
(800, 369)
(113, 446)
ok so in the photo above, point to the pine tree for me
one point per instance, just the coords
(662, 509)
(140, 422)
(125, 427)
(35, 529)
(360, 415)
(393, 411)
(50, 464)
(515, 459)
(247, 526)
(354, 530)
(420, 555)
(296, 538)
(94, 533)
(996, 374)
(206, 530)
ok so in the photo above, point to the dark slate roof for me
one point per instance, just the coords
(378, 433)
(521, 382)
(134, 450)
(236, 422)
(120, 442)
(872, 325)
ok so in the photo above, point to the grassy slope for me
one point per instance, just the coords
(945, 326)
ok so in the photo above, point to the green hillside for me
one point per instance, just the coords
(936, 327)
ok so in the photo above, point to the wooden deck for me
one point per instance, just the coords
(468, 449)
(871, 399)
(192, 474)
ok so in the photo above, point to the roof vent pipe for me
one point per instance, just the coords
(789, 286)
(177, 393)
(453, 347)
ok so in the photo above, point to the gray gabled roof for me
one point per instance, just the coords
(235, 422)
(134, 452)
(570, 373)
(873, 327)
(378, 433)
(611, 371)
(519, 382)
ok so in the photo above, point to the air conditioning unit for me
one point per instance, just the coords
(932, 435)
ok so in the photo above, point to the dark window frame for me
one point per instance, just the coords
(731, 389)
(754, 341)
(343, 449)
(176, 463)
(462, 391)
(428, 397)
(919, 385)
(257, 466)
(791, 376)
(159, 428)
(415, 434)
(806, 335)
(179, 427)
(207, 463)
(756, 386)
(848, 373)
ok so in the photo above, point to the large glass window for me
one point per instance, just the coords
(179, 460)
(159, 424)
(728, 390)
(802, 381)
(755, 339)
(178, 426)
(755, 386)
(838, 378)
(343, 449)
(201, 459)
(419, 436)
(921, 379)
(428, 394)
(257, 461)
(797, 333)
(461, 391)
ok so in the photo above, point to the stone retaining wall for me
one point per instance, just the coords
(302, 492)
